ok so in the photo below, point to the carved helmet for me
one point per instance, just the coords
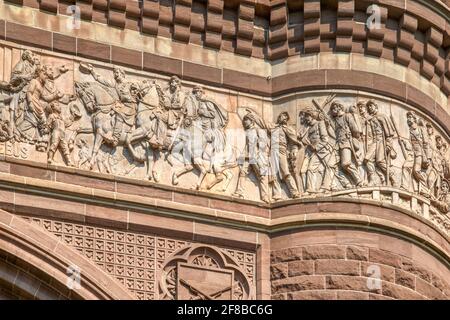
(75, 111)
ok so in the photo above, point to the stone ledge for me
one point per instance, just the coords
(122, 212)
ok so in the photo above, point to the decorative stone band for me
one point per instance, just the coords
(137, 213)
(415, 146)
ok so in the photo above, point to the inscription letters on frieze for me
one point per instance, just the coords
(144, 128)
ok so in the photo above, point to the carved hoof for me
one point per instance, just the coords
(266, 200)
(140, 159)
(155, 176)
(296, 195)
(174, 179)
(238, 195)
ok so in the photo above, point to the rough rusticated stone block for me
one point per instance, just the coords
(333, 266)
(417, 270)
(399, 292)
(350, 283)
(384, 257)
(278, 271)
(298, 268)
(352, 295)
(428, 290)
(290, 254)
(405, 279)
(312, 295)
(298, 283)
(357, 253)
(372, 270)
(323, 252)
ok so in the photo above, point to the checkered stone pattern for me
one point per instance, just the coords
(132, 258)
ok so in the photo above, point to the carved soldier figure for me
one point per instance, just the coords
(282, 139)
(256, 155)
(434, 172)
(39, 94)
(380, 132)
(24, 71)
(443, 201)
(345, 131)
(31, 115)
(57, 127)
(318, 174)
(361, 116)
(441, 151)
(419, 147)
(169, 116)
(203, 135)
(173, 101)
(126, 108)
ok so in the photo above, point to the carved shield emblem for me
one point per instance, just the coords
(204, 283)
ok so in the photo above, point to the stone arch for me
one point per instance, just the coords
(34, 264)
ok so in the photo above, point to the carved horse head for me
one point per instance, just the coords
(94, 96)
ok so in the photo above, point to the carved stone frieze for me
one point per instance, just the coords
(145, 127)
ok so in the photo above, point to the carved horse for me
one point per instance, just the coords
(207, 150)
(147, 129)
(99, 102)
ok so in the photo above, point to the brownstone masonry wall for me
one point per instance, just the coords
(127, 233)
(350, 267)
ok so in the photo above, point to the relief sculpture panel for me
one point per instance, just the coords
(147, 127)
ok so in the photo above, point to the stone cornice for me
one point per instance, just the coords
(280, 216)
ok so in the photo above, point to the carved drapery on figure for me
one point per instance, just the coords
(140, 127)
